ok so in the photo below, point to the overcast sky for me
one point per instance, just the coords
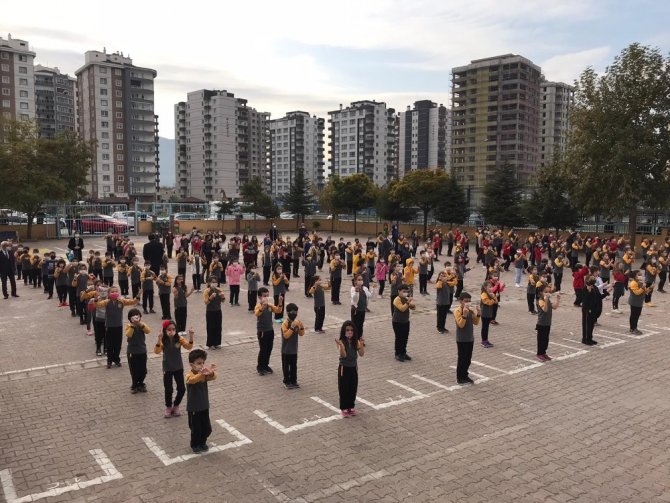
(311, 55)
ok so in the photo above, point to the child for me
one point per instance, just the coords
(279, 286)
(444, 286)
(164, 282)
(381, 270)
(80, 283)
(35, 269)
(317, 292)
(408, 275)
(122, 272)
(216, 270)
(291, 328)
(252, 286)
(545, 307)
(180, 294)
(396, 282)
(197, 401)
(196, 262)
(465, 318)
(531, 288)
(497, 288)
(310, 263)
(113, 306)
(423, 273)
(519, 261)
(360, 295)
(234, 273)
(135, 276)
(88, 299)
(99, 321)
(488, 301)
(182, 259)
(560, 262)
(60, 278)
(402, 304)
(170, 343)
(72, 270)
(350, 347)
(620, 280)
(96, 265)
(336, 266)
(147, 279)
(264, 330)
(137, 350)
(213, 316)
(108, 266)
(267, 265)
(637, 292)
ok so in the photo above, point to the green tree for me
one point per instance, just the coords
(389, 208)
(453, 207)
(225, 206)
(299, 199)
(502, 204)
(422, 188)
(549, 205)
(36, 170)
(616, 159)
(254, 197)
(355, 192)
(328, 199)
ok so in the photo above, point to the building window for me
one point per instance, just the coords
(4, 55)
(118, 104)
(6, 91)
(23, 82)
(119, 115)
(119, 136)
(103, 92)
(120, 188)
(5, 79)
(105, 157)
(119, 125)
(104, 124)
(119, 157)
(4, 67)
(119, 178)
(23, 69)
(118, 83)
(119, 167)
(103, 69)
(117, 71)
(105, 146)
(5, 104)
(105, 135)
(23, 94)
(105, 178)
(105, 167)
(23, 105)
(103, 81)
(104, 113)
(119, 146)
(119, 93)
(104, 103)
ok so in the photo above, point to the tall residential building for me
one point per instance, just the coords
(496, 115)
(116, 109)
(362, 139)
(55, 101)
(557, 100)
(296, 143)
(17, 79)
(422, 138)
(221, 143)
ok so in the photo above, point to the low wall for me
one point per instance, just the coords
(39, 231)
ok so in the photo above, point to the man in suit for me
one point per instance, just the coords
(7, 269)
(153, 253)
(76, 244)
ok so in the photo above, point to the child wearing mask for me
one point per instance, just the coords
(213, 297)
(291, 328)
(466, 318)
(164, 282)
(402, 305)
(252, 278)
(181, 294)
(264, 330)
(169, 343)
(136, 277)
(197, 401)
(279, 287)
(122, 275)
(316, 291)
(360, 296)
(136, 332)
(545, 308)
(234, 273)
(487, 302)
(381, 270)
(114, 305)
(147, 279)
(350, 346)
(636, 295)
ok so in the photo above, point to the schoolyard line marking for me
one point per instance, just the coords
(629, 336)
(490, 367)
(109, 470)
(416, 395)
(325, 404)
(437, 384)
(566, 346)
(307, 423)
(482, 378)
(167, 460)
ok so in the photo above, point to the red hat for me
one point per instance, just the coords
(167, 323)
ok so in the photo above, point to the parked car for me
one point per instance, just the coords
(285, 215)
(129, 216)
(97, 222)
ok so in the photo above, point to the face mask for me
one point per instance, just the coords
(114, 295)
(135, 318)
(53, 257)
(466, 305)
(292, 315)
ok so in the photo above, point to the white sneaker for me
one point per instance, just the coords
(517, 285)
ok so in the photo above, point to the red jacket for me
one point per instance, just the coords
(578, 278)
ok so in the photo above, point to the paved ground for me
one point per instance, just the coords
(589, 426)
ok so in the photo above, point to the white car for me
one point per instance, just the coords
(285, 215)
(129, 216)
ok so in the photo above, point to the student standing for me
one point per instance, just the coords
(396, 282)
(99, 321)
(310, 263)
(147, 279)
(264, 330)
(291, 328)
(169, 343)
(336, 266)
(164, 282)
(135, 276)
(252, 278)
(108, 266)
(350, 347)
(60, 278)
(234, 273)
(317, 292)
(181, 294)
(545, 308)
(637, 292)
(620, 284)
(423, 273)
(487, 302)
(444, 286)
(279, 287)
(402, 304)
(113, 306)
(381, 270)
(591, 309)
(197, 401)
(136, 332)
(650, 273)
(531, 288)
(213, 316)
(122, 274)
(182, 260)
(360, 296)
(465, 318)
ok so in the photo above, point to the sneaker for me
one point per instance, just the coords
(109, 365)
(146, 312)
(168, 412)
(269, 370)
(288, 385)
(197, 449)
(89, 333)
(400, 358)
(494, 322)
(517, 285)
(152, 311)
(469, 381)
(649, 304)
(204, 447)
(542, 358)
(548, 358)
(487, 344)
(280, 320)
(295, 385)
(133, 390)
(175, 411)
(143, 388)
(461, 381)
(261, 372)
(407, 357)
(98, 353)
(440, 331)
(217, 347)
(352, 412)
(345, 413)
(118, 364)
(637, 332)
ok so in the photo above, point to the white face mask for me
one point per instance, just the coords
(466, 305)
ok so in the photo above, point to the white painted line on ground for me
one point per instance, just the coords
(296, 427)
(517, 370)
(569, 355)
(416, 395)
(46, 367)
(437, 384)
(342, 487)
(167, 460)
(566, 346)
(629, 335)
(652, 325)
(482, 378)
(337, 320)
(325, 404)
(480, 364)
(109, 470)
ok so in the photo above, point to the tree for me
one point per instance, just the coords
(267, 208)
(617, 154)
(549, 205)
(389, 208)
(36, 170)
(501, 204)
(225, 206)
(355, 192)
(328, 199)
(299, 199)
(254, 197)
(422, 188)
(453, 207)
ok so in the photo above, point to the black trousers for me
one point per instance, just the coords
(382, 284)
(178, 377)
(423, 283)
(279, 316)
(99, 331)
(350, 266)
(234, 294)
(265, 342)
(495, 311)
(335, 285)
(180, 314)
(588, 324)
(308, 281)
(662, 277)
(347, 385)
(61, 292)
(123, 286)
(542, 339)
(392, 299)
(12, 283)
(147, 299)
(647, 296)
(358, 319)
(113, 344)
(165, 305)
(464, 359)
(214, 321)
(137, 364)
(635, 313)
(136, 289)
(72, 299)
(530, 299)
(319, 316)
(49, 286)
(486, 322)
(197, 281)
(200, 426)
(558, 279)
(401, 331)
(579, 296)
(289, 368)
(252, 298)
(108, 280)
(266, 274)
(459, 288)
(442, 316)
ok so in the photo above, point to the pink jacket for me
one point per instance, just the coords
(381, 270)
(234, 274)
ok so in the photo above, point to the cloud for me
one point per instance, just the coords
(567, 67)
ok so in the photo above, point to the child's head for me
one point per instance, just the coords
(97, 254)
(122, 260)
(316, 280)
(213, 281)
(169, 328)
(348, 331)
(197, 359)
(263, 293)
(486, 287)
(147, 265)
(465, 299)
(357, 280)
(279, 269)
(108, 254)
(82, 268)
(179, 280)
(134, 316)
(91, 253)
(163, 269)
(292, 311)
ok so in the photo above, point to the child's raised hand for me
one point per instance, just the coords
(191, 332)
(212, 296)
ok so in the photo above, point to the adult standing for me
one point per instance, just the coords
(76, 244)
(168, 242)
(274, 233)
(7, 269)
(153, 253)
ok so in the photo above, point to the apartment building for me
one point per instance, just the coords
(557, 100)
(220, 144)
(423, 137)
(17, 79)
(296, 144)
(496, 114)
(116, 109)
(362, 139)
(55, 101)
